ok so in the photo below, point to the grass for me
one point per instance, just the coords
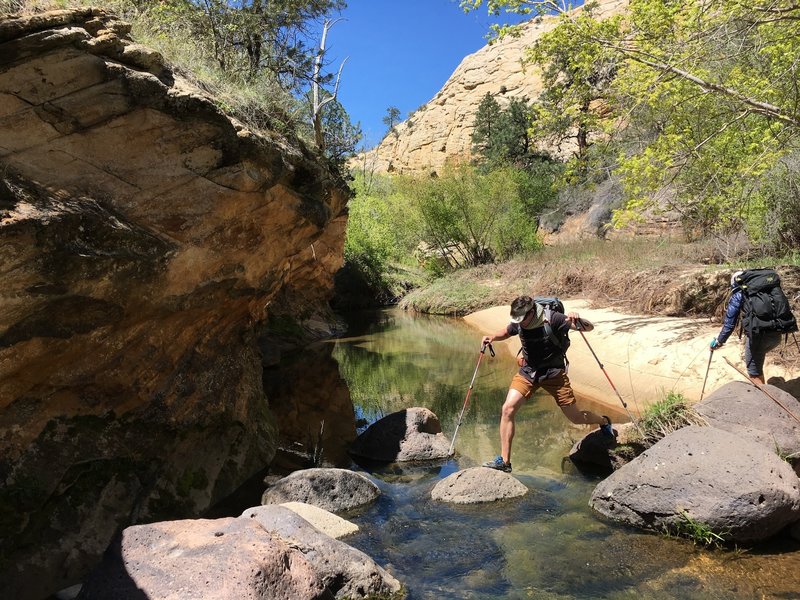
(449, 296)
(665, 416)
(699, 533)
(641, 275)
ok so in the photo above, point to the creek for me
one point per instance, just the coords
(547, 544)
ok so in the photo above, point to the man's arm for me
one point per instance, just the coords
(731, 317)
(575, 322)
(497, 337)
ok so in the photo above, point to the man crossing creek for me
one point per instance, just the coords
(542, 328)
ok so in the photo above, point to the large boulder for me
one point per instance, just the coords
(412, 434)
(210, 559)
(345, 571)
(594, 450)
(744, 410)
(335, 490)
(476, 485)
(735, 486)
(265, 554)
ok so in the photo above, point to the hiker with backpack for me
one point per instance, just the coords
(756, 297)
(542, 327)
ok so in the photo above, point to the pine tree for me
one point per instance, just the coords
(486, 127)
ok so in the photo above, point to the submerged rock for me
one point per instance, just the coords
(412, 434)
(476, 485)
(736, 487)
(335, 490)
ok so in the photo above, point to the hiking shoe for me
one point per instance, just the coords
(499, 464)
(607, 429)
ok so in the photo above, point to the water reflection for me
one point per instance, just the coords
(547, 544)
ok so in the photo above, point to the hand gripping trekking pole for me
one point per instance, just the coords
(761, 387)
(469, 391)
(611, 383)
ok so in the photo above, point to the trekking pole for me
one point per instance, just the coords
(710, 354)
(469, 391)
(761, 387)
(613, 387)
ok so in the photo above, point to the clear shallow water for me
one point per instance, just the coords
(548, 544)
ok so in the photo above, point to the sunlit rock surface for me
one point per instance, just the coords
(476, 485)
(767, 417)
(144, 235)
(334, 490)
(270, 553)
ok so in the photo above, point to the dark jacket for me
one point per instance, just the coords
(731, 315)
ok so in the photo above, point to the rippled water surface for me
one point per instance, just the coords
(547, 544)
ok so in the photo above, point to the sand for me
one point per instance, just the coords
(645, 356)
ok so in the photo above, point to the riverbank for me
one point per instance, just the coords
(645, 357)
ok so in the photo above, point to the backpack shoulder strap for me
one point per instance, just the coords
(548, 328)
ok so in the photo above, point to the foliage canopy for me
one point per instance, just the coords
(706, 110)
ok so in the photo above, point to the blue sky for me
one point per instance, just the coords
(399, 54)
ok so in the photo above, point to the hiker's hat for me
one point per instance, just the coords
(734, 283)
(522, 308)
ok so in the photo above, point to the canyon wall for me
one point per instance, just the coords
(145, 237)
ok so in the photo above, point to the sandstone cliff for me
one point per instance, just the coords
(440, 130)
(143, 236)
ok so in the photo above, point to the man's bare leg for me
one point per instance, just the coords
(514, 400)
(757, 379)
(581, 417)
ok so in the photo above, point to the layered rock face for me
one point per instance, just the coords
(440, 131)
(143, 236)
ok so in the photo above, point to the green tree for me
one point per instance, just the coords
(467, 217)
(244, 39)
(514, 136)
(502, 136)
(713, 85)
(705, 98)
(392, 117)
(487, 122)
(577, 72)
(341, 135)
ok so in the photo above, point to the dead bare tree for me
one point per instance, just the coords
(317, 101)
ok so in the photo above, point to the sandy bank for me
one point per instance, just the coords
(645, 356)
